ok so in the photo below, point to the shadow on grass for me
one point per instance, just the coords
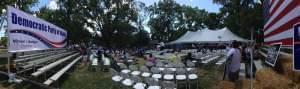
(210, 76)
(82, 78)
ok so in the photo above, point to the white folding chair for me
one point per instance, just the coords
(127, 81)
(135, 71)
(138, 83)
(193, 78)
(145, 71)
(152, 83)
(116, 78)
(168, 75)
(124, 68)
(181, 77)
(168, 85)
(156, 73)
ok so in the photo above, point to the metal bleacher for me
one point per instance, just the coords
(57, 75)
(37, 55)
(51, 62)
(43, 60)
(52, 65)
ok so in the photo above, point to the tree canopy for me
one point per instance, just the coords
(24, 5)
(122, 23)
(169, 20)
(242, 16)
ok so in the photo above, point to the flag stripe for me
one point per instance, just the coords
(275, 7)
(285, 42)
(273, 4)
(281, 14)
(282, 35)
(271, 1)
(277, 12)
(287, 17)
(284, 27)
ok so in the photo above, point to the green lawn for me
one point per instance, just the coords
(210, 76)
(82, 78)
(3, 50)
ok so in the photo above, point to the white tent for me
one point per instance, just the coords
(208, 36)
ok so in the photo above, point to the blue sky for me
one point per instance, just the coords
(202, 4)
(40, 4)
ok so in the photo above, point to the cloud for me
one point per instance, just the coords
(53, 5)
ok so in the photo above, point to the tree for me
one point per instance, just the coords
(192, 18)
(24, 5)
(169, 20)
(3, 41)
(214, 21)
(142, 38)
(67, 19)
(115, 19)
(162, 16)
(242, 16)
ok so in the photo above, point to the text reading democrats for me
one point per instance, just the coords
(35, 25)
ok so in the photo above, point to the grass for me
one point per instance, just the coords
(3, 50)
(210, 76)
(82, 78)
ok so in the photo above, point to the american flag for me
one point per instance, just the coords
(280, 19)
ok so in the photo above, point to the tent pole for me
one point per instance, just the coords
(251, 59)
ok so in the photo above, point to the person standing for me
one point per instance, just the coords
(83, 52)
(248, 53)
(234, 61)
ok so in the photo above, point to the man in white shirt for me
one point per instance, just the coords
(233, 62)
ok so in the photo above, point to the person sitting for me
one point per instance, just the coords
(94, 61)
(151, 58)
(188, 57)
(106, 62)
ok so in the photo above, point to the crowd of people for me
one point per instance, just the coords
(98, 57)
(238, 53)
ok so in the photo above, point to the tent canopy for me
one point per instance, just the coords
(208, 36)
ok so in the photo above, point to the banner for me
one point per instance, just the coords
(297, 47)
(27, 33)
(272, 54)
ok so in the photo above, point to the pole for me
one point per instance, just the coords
(251, 59)
(251, 69)
(8, 56)
(2, 21)
(8, 63)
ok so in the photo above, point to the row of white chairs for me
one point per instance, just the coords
(162, 73)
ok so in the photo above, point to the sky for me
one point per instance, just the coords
(202, 4)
